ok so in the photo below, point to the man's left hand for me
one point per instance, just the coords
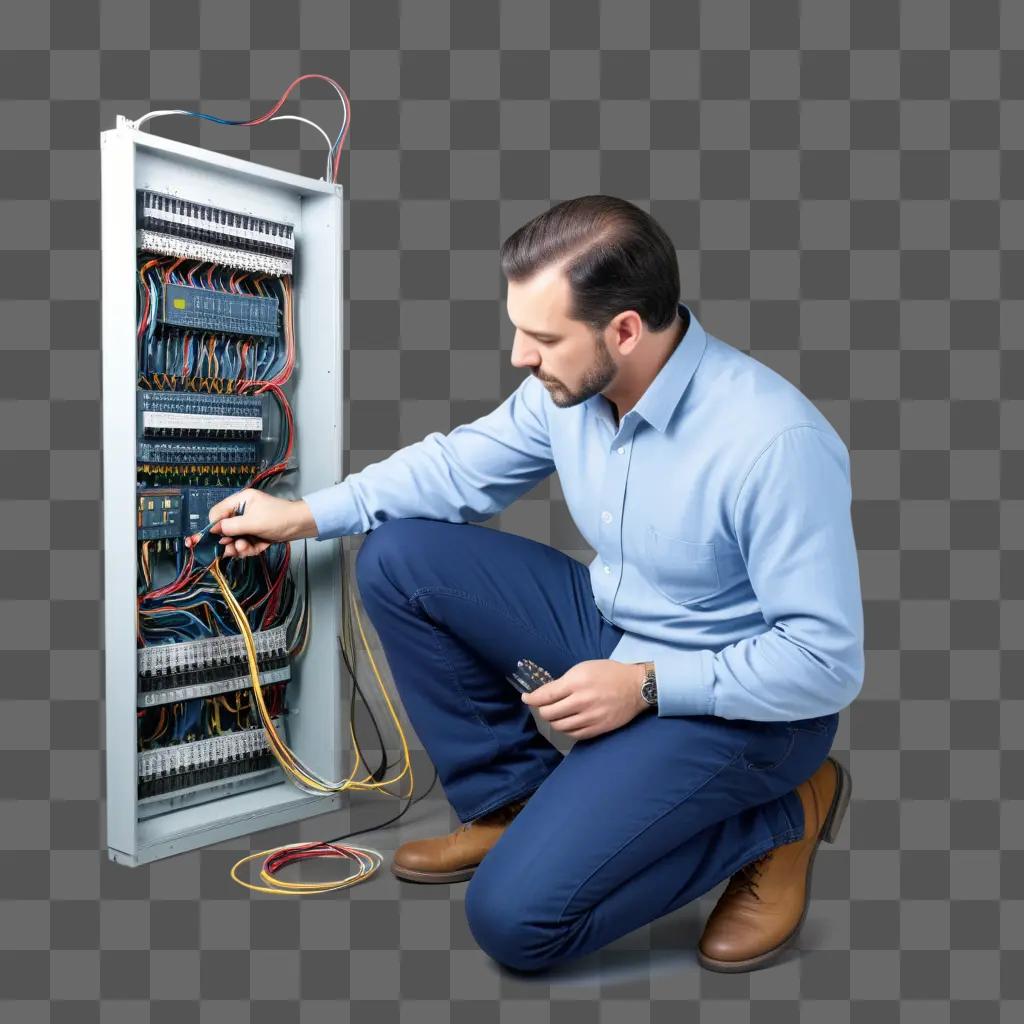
(591, 698)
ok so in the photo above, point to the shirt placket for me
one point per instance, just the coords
(613, 498)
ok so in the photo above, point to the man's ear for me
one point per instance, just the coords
(627, 327)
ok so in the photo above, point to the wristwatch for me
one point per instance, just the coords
(649, 687)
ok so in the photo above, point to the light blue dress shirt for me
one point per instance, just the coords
(719, 509)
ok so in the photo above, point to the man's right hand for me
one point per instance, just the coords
(266, 520)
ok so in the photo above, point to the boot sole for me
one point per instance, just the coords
(829, 831)
(411, 875)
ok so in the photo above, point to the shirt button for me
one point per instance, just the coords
(607, 569)
(606, 517)
(621, 451)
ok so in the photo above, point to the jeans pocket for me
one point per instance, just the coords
(771, 745)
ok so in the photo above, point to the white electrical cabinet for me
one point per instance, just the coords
(183, 769)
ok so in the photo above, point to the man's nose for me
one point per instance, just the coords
(523, 354)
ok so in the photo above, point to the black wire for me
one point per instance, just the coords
(346, 629)
(379, 772)
(382, 768)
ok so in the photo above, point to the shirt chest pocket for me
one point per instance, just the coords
(681, 570)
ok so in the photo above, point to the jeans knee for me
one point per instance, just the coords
(501, 928)
(377, 548)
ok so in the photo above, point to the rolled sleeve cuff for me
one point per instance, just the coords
(334, 511)
(685, 678)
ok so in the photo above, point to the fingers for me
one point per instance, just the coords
(560, 709)
(224, 510)
(573, 724)
(240, 547)
(233, 525)
(548, 693)
(234, 546)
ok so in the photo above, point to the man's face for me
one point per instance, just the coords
(569, 357)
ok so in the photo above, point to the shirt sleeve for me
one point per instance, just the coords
(794, 528)
(471, 473)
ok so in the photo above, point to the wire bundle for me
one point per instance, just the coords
(205, 717)
(170, 353)
(333, 150)
(245, 365)
(192, 608)
(306, 779)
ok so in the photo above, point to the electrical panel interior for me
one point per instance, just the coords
(222, 370)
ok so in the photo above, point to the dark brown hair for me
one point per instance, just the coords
(617, 257)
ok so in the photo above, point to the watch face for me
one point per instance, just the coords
(649, 692)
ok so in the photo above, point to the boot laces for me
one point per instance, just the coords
(746, 878)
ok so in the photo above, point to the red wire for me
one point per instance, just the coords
(345, 103)
(273, 595)
(276, 862)
(145, 308)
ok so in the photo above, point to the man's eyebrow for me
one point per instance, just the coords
(537, 334)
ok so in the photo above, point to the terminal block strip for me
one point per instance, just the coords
(165, 666)
(185, 766)
(180, 227)
(169, 453)
(268, 676)
(184, 414)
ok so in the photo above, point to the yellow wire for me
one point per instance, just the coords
(289, 762)
(286, 757)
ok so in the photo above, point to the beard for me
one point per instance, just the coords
(601, 372)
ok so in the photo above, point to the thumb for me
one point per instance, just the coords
(538, 695)
(224, 510)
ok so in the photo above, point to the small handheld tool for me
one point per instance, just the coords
(528, 676)
(195, 538)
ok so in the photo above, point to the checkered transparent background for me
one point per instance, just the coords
(845, 183)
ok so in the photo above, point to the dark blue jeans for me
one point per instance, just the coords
(630, 824)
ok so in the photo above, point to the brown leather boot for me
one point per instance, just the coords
(765, 903)
(454, 857)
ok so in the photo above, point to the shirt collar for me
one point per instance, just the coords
(663, 395)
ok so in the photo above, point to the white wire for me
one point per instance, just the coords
(158, 113)
(279, 117)
(330, 147)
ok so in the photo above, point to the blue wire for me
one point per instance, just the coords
(223, 120)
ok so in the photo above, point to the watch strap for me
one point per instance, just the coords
(649, 687)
